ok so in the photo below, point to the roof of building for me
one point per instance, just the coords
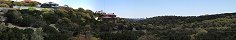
(108, 14)
(50, 3)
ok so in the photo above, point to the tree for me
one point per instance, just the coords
(66, 25)
(28, 33)
(4, 5)
(53, 34)
(28, 21)
(19, 3)
(32, 4)
(81, 10)
(148, 37)
(51, 17)
(13, 16)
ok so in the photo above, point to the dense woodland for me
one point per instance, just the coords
(66, 23)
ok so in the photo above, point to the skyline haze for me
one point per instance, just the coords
(151, 8)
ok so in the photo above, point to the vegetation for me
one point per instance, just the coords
(65, 23)
(4, 5)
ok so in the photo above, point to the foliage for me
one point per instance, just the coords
(4, 5)
(13, 16)
(65, 23)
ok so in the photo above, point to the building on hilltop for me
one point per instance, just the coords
(37, 6)
(49, 5)
(106, 16)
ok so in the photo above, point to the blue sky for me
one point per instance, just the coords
(150, 8)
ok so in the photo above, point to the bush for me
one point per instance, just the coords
(4, 5)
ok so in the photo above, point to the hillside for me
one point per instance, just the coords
(207, 27)
(169, 20)
(66, 23)
(63, 25)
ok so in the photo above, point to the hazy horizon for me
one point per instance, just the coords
(151, 8)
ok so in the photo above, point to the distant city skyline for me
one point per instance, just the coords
(151, 8)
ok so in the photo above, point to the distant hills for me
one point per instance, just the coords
(133, 19)
(185, 19)
(65, 23)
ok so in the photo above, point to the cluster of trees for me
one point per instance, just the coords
(65, 23)
(7, 33)
(205, 27)
(12, 3)
(58, 24)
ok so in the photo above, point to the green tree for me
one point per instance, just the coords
(13, 16)
(32, 4)
(51, 17)
(4, 5)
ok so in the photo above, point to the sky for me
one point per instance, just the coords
(151, 8)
